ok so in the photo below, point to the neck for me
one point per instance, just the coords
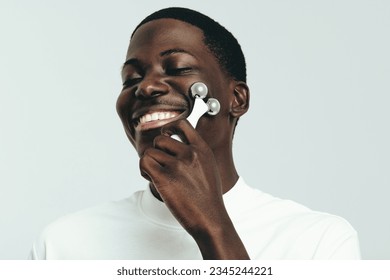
(227, 169)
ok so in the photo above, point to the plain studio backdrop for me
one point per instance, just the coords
(317, 131)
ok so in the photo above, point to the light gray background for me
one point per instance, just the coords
(317, 132)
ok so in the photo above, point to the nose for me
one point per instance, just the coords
(152, 85)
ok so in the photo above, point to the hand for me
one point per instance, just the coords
(186, 176)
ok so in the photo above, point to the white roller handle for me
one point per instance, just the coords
(200, 107)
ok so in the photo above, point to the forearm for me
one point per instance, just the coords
(221, 243)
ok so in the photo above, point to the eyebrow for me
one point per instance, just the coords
(173, 51)
(135, 61)
(131, 61)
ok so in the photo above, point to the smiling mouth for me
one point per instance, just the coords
(156, 119)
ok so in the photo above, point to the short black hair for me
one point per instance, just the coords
(222, 44)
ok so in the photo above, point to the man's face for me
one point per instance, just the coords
(164, 59)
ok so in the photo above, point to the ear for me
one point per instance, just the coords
(240, 104)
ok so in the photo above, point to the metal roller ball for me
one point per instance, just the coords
(214, 106)
(199, 89)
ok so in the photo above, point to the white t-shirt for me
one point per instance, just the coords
(142, 227)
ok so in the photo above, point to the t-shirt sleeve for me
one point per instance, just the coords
(32, 255)
(339, 242)
(348, 250)
(37, 251)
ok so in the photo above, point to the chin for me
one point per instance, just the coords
(144, 140)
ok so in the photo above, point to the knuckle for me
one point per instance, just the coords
(173, 165)
(158, 140)
(194, 156)
(147, 153)
(142, 162)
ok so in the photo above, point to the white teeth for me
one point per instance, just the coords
(157, 116)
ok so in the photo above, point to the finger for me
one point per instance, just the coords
(185, 131)
(148, 167)
(159, 156)
(173, 128)
(152, 164)
(169, 145)
(156, 166)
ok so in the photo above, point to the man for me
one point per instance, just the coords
(196, 205)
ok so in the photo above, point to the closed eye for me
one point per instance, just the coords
(178, 71)
(131, 82)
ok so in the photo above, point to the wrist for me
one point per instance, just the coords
(221, 242)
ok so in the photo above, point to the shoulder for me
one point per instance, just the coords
(105, 211)
(75, 229)
(287, 229)
(254, 201)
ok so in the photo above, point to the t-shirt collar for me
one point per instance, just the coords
(157, 212)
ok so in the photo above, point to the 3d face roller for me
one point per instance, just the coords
(199, 91)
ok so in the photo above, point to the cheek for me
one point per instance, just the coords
(214, 130)
(219, 88)
(224, 103)
(120, 106)
(122, 109)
